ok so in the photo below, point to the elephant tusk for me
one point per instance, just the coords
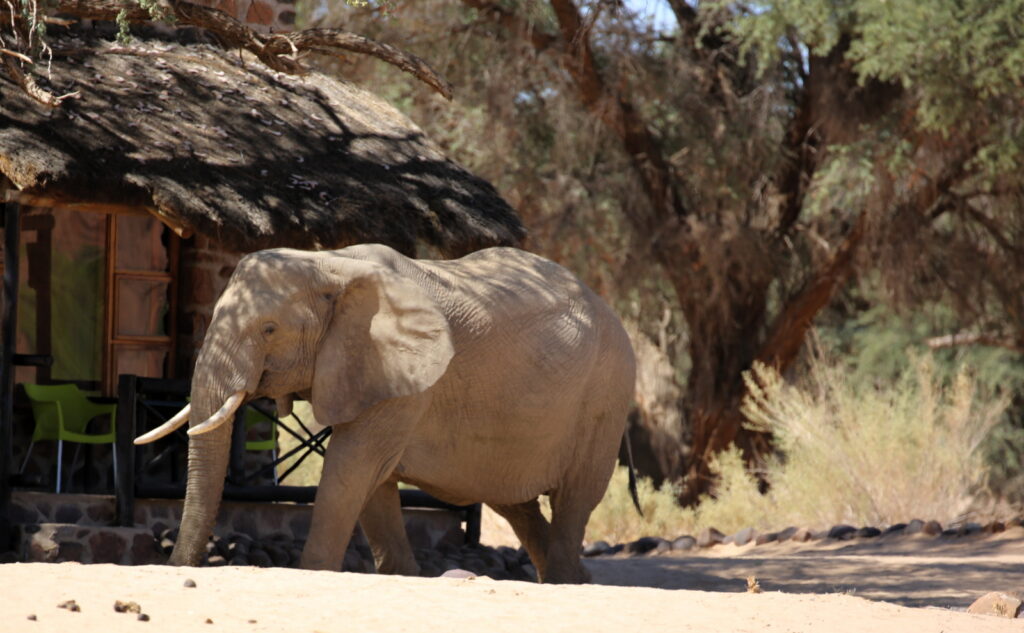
(221, 416)
(168, 427)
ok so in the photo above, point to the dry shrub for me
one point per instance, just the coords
(870, 454)
(616, 520)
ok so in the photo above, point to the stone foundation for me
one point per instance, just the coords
(56, 528)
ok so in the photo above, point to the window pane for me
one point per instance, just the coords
(142, 306)
(140, 361)
(139, 243)
(60, 299)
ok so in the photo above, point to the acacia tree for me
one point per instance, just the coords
(758, 154)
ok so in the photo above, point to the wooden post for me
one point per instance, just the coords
(12, 239)
(124, 448)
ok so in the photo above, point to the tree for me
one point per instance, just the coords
(23, 40)
(759, 154)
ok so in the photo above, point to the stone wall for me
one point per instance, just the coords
(70, 527)
(206, 267)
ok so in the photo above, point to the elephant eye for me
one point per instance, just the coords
(269, 328)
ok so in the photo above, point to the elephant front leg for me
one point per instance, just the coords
(385, 530)
(356, 463)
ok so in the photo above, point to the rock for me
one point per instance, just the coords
(530, 571)
(642, 545)
(842, 532)
(769, 537)
(127, 607)
(709, 537)
(459, 573)
(277, 554)
(614, 549)
(662, 547)
(969, 529)
(216, 561)
(352, 562)
(868, 532)
(429, 570)
(995, 527)
(260, 558)
(914, 527)
(1015, 522)
(787, 533)
(802, 535)
(998, 603)
(239, 560)
(596, 548)
(896, 528)
(166, 545)
(190, 583)
(933, 528)
(744, 536)
(143, 617)
(107, 547)
(684, 544)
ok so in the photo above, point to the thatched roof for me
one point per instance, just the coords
(251, 157)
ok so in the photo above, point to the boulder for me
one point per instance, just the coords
(998, 603)
(709, 537)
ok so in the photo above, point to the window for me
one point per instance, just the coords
(97, 293)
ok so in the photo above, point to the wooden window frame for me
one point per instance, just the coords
(111, 339)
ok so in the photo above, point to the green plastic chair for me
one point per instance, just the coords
(62, 413)
(253, 418)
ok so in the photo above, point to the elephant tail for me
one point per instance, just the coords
(632, 474)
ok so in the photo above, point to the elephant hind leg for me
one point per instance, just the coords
(569, 515)
(532, 529)
(384, 527)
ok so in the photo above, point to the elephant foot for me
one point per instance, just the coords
(398, 568)
(566, 575)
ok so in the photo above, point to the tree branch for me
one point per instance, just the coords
(34, 90)
(277, 51)
(991, 339)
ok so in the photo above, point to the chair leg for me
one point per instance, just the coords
(60, 459)
(28, 454)
(273, 458)
(115, 468)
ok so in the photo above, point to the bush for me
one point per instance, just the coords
(870, 454)
(848, 452)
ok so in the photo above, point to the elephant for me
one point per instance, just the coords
(495, 378)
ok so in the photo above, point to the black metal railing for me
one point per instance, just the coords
(159, 470)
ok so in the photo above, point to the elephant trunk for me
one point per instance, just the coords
(221, 370)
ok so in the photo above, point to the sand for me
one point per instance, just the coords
(916, 584)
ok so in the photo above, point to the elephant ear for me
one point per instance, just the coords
(387, 338)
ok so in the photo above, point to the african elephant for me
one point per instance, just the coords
(494, 378)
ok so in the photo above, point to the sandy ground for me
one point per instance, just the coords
(905, 584)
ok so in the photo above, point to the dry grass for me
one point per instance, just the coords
(876, 453)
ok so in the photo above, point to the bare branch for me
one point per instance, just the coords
(991, 339)
(34, 90)
(333, 39)
(16, 54)
(277, 51)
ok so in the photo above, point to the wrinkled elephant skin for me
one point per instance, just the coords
(493, 378)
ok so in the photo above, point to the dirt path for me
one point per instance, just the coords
(819, 587)
(247, 600)
(914, 571)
